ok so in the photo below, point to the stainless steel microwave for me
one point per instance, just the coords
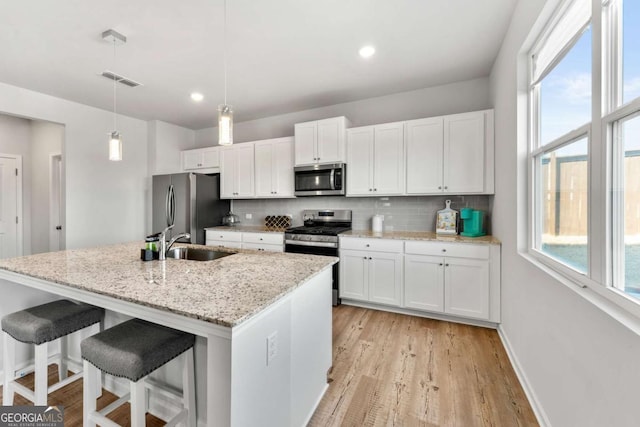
(320, 180)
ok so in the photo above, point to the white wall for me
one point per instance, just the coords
(165, 143)
(105, 201)
(439, 100)
(46, 139)
(580, 363)
(15, 138)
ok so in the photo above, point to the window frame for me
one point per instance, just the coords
(607, 111)
(535, 223)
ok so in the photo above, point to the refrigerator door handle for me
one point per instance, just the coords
(166, 206)
(172, 205)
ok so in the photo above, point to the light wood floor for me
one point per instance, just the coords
(71, 398)
(396, 370)
(390, 370)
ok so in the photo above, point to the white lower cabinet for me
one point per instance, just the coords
(269, 242)
(455, 279)
(455, 286)
(423, 283)
(372, 275)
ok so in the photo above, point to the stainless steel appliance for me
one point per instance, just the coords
(320, 180)
(319, 236)
(190, 202)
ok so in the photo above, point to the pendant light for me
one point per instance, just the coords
(225, 113)
(115, 139)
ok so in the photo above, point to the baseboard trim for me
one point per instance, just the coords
(538, 410)
(428, 315)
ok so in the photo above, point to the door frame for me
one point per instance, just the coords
(52, 156)
(20, 228)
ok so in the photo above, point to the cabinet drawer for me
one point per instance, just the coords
(224, 235)
(235, 245)
(263, 247)
(462, 250)
(263, 238)
(377, 245)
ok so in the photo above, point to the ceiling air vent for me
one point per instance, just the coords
(120, 79)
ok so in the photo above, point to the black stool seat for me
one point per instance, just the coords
(50, 321)
(135, 348)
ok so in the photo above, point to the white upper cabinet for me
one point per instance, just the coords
(425, 145)
(237, 171)
(201, 158)
(320, 141)
(274, 168)
(375, 158)
(451, 154)
(465, 152)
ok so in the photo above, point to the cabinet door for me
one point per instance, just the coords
(424, 154)
(354, 275)
(424, 283)
(388, 168)
(360, 161)
(330, 143)
(306, 135)
(464, 153)
(192, 159)
(385, 277)
(244, 170)
(228, 171)
(264, 159)
(282, 175)
(466, 287)
(211, 157)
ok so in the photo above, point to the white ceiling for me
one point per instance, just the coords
(284, 55)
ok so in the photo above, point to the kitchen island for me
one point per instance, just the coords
(266, 318)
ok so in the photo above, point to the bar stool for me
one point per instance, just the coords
(132, 350)
(41, 325)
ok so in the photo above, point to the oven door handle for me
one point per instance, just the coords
(316, 244)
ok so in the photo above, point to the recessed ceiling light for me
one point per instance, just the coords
(197, 96)
(367, 51)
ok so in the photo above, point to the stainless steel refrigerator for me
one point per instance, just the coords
(190, 202)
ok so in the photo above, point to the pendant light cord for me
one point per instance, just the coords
(115, 128)
(224, 41)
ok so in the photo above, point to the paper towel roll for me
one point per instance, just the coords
(376, 223)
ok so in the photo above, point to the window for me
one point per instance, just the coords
(563, 203)
(561, 106)
(594, 244)
(630, 50)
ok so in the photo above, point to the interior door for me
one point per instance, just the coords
(8, 208)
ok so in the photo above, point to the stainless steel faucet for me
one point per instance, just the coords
(164, 246)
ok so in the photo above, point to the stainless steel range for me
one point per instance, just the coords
(319, 236)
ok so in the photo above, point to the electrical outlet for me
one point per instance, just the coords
(272, 347)
(248, 216)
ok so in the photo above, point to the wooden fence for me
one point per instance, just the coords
(564, 181)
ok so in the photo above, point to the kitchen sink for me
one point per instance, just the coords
(194, 254)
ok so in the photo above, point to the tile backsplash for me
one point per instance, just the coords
(413, 213)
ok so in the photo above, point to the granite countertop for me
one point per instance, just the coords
(247, 229)
(226, 291)
(421, 235)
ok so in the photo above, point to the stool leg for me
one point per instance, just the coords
(9, 354)
(189, 388)
(137, 403)
(88, 393)
(62, 362)
(98, 371)
(40, 389)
